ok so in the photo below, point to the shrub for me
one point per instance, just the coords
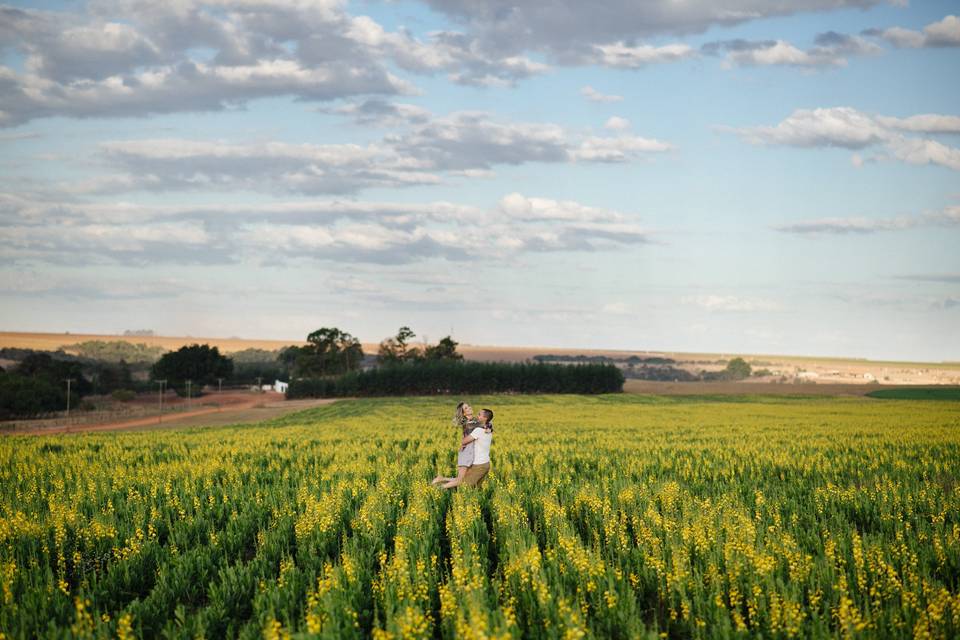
(123, 395)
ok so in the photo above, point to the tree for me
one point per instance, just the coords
(202, 364)
(27, 396)
(737, 369)
(42, 366)
(329, 351)
(446, 349)
(395, 350)
(288, 356)
(110, 377)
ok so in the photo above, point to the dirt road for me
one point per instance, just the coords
(234, 410)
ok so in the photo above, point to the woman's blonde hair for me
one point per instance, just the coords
(460, 419)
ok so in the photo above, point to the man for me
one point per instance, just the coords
(482, 437)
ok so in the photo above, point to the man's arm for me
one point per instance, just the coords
(470, 437)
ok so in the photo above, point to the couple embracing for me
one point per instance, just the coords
(473, 458)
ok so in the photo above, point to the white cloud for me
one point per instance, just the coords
(382, 113)
(133, 57)
(852, 129)
(617, 149)
(920, 151)
(617, 123)
(426, 150)
(570, 31)
(715, 302)
(360, 232)
(188, 86)
(625, 56)
(831, 127)
(593, 95)
(947, 217)
(923, 123)
(831, 49)
(518, 207)
(944, 33)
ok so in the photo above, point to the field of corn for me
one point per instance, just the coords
(612, 516)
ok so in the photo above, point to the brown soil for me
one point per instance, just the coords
(234, 408)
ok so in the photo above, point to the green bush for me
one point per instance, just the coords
(444, 377)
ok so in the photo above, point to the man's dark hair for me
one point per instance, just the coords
(489, 414)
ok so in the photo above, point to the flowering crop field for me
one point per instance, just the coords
(606, 516)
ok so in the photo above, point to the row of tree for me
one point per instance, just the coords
(432, 377)
(329, 363)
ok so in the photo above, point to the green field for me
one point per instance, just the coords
(608, 516)
(924, 393)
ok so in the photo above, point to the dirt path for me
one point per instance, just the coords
(252, 409)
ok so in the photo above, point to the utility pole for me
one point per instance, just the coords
(188, 394)
(219, 391)
(69, 380)
(161, 383)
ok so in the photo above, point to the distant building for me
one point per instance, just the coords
(280, 386)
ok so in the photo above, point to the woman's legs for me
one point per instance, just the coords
(459, 476)
(455, 482)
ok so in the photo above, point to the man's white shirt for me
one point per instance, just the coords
(481, 447)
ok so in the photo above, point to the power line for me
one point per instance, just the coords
(69, 380)
(161, 383)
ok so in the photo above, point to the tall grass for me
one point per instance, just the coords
(603, 516)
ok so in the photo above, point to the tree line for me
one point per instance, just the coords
(433, 377)
(330, 363)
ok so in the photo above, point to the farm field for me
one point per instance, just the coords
(607, 516)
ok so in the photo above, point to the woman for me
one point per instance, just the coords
(470, 428)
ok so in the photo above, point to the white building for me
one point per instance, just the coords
(280, 386)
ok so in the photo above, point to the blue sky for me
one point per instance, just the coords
(639, 176)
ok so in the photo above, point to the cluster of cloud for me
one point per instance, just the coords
(138, 57)
(573, 31)
(849, 128)
(611, 33)
(947, 217)
(424, 151)
(944, 33)
(831, 49)
(66, 232)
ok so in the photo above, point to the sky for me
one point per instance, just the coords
(724, 176)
